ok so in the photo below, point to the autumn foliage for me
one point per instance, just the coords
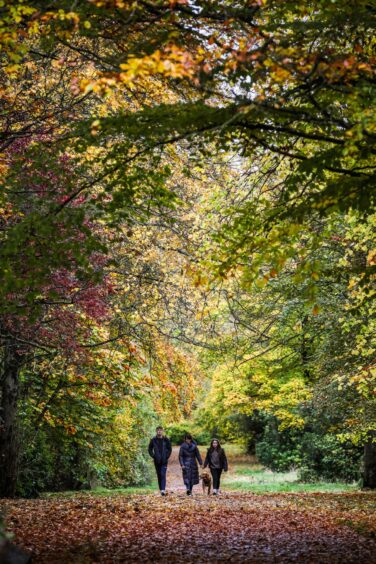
(186, 236)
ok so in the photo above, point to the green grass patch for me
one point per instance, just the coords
(256, 479)
(100, 492)
(285, 487)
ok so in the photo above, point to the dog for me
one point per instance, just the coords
(206, 481)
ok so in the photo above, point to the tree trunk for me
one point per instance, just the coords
(8, 420)
(304, 351)
(369, 475)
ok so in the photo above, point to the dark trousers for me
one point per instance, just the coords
(216, 475)
(161, 470)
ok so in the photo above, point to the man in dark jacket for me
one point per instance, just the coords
(160, 450)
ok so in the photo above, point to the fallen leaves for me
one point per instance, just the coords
(236, 526)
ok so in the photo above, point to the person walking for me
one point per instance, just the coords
(160, 451)
(189, 455)
(217, 461)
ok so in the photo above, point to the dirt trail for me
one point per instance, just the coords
(234, 527)
(276, 528)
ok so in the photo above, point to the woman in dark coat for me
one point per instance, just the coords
(217, 461)
(188, 457)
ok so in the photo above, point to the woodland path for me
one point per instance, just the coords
(234, 527)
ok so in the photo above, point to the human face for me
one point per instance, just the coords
(215, 444)
(188, 441)
(159, 433)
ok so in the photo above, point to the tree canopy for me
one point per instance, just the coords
(187, 225)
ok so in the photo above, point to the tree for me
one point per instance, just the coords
(285, 90)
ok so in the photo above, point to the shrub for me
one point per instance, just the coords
(278, 450)
(325, 457)
(318, 455)
(53, 460)
(176, 432)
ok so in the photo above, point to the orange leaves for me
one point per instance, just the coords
(144, 528)
(316, 309)
(71, 430)
(119, 4)
(371, 257)
(346, 67)
(171, 62)
(173, 3)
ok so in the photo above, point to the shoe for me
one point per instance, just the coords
(189, 492)
(163, 492)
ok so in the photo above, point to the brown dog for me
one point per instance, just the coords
(206, 481)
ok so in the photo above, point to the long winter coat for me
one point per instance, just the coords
(160, 456)
(188, 457)
(222, 459)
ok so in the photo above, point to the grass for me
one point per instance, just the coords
(99, 491)
(236, 454)
(256, 479)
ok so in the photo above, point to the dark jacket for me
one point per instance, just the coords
(188, 457)
(222, 459)
(160, 456)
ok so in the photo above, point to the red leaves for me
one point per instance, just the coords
(240, 527)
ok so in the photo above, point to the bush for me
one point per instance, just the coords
(319, 456)
(53, 460)
(278, 450)
(46, 462)
(307, 475)
(176, 432)
(326, 458)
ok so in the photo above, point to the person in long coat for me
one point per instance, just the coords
(189, 455)
(217, 462)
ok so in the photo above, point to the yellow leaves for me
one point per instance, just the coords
(202, 314)
(173, 63)
(262, 282)
(101, 85)
(33, 28)
(120, 4)
(95, 126)
(200, 280)
(289, 420)
(13, 70)
(279, 74)
(371, 257)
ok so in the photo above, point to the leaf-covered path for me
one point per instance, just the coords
(234, 527)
